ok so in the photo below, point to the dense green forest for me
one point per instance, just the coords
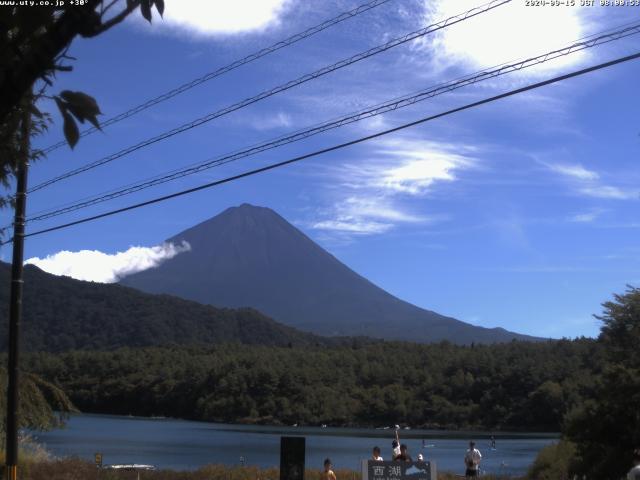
(518, 385)
(61, 313)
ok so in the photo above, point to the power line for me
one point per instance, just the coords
(227, 68)
(336, 147)
(281, 88)
(392, 105)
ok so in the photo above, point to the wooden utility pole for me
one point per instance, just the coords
(15, 308)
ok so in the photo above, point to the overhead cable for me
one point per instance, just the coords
(281, 88)
(336, 147)
(227, 68)
(369, 112)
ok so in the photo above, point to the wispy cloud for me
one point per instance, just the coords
(366, 216)
(587, 217)
(408, 166)
(351, 225)
(576, 171)
(97, 266)
(609, 192)
(269, 122)
(589, 183)
(373, 191)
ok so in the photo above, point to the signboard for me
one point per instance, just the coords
(292, 452)
(372, 470)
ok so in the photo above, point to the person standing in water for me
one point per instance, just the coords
(472, 461)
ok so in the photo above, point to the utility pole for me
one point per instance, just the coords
(15, 308)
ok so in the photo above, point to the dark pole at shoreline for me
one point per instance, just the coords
(15, 308)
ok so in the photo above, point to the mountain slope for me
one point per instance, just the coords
(251, 256)
(60, 313)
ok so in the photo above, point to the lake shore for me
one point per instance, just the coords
(188, 445)
(76, 469)
(432, 431)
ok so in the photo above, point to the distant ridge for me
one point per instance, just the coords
(61, 313)
(250, 256)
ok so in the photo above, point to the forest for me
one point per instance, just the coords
(67, 314)
(515, 386)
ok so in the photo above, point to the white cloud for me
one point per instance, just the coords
(408, 166)
(371, 191)
(270, 122)
(353, 226)
(588, 183)
(586, 217)
(609, 192)
(506, 33)
(366, 216)
(209, 17)
(575, 171)
(378, 208)
(369, 215)
(96, 266)
(415, 175)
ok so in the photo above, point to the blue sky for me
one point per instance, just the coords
(521, 214)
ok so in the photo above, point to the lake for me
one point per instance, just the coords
(187, 445)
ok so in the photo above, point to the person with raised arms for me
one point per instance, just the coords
(395, 445)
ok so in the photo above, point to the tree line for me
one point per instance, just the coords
(518, 385)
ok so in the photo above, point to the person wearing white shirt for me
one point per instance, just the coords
(472, 461)
(395, 445)
(376, 455)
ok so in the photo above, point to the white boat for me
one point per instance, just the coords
(131, 467)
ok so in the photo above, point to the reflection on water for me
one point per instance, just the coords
(184, 445)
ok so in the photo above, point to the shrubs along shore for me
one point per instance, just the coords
(75, 469)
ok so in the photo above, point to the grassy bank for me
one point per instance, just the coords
(76, 469)
(36, 463)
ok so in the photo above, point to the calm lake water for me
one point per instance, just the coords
(185, 445)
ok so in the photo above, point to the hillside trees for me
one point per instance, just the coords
(441, 385)
(606, 428)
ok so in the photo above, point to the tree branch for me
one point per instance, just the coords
(40, 58)
(108, 7)
(131, 6)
